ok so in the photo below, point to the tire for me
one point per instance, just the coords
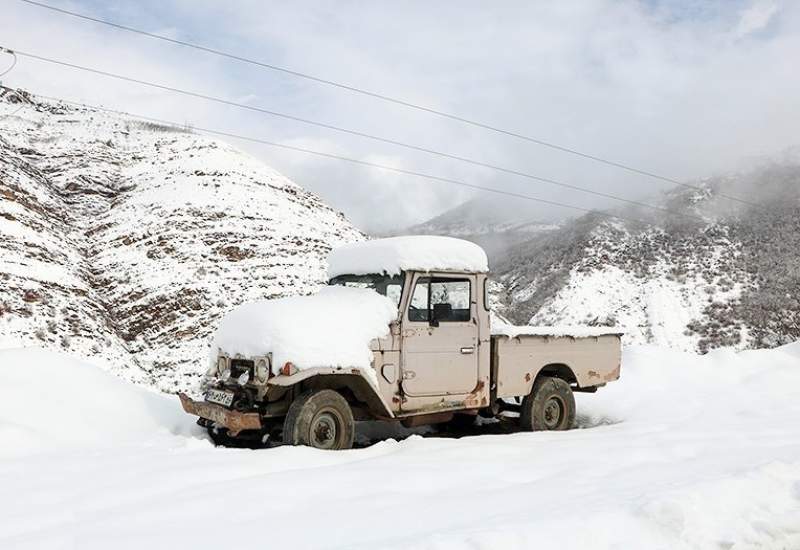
(549, 406)
(321, 419)
(218, 437)
(249, 439)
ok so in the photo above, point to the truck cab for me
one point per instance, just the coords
(436, 355)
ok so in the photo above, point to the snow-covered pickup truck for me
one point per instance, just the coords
(401, 333)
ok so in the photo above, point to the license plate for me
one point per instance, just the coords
(220, 397)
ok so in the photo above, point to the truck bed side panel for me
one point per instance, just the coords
(593, 360)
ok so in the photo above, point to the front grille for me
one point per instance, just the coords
(241, 366)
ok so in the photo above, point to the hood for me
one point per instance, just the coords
(332, 328)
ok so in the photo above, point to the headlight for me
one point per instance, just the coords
(222, 367)
(262, 370)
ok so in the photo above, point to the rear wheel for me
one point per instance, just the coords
(321, 419)
(549, 406)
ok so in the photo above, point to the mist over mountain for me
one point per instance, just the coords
(494, 222)
(713, 272)
(125, 241)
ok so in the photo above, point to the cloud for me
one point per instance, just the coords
(666, 85)
(756, 17)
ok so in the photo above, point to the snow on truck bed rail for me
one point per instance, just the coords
(397, 254)
(503, 327)
(513, 331)
(332, 328)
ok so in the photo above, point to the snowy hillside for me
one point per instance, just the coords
(728, 279)
(679, 454)
(125, 241)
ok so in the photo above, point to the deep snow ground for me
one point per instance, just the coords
(684, 451)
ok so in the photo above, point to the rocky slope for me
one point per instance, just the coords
(126, 241)
(728, 279)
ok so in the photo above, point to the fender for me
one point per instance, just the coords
(335, 378)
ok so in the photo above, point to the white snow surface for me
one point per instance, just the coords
(683, 452)
(396, 254)
(332, 328)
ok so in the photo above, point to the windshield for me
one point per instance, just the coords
(391, 287)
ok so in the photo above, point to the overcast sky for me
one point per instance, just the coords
(683, 88)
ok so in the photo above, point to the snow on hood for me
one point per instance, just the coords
(396, 254)
(332, 328)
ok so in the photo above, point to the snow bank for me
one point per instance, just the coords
(332, 328)
(663, 385)
(50, 400)
(396, 254)
(684, 452)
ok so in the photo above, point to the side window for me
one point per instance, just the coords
(394, 291)
(448, 300)
(418, 309)
(486, 294)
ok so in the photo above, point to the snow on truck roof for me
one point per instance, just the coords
(396, 254)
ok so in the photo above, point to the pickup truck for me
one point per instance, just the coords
(293, 369)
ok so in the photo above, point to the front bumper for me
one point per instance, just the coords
(234, 421)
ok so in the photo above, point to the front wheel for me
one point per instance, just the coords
(549, 406)
(321, 419)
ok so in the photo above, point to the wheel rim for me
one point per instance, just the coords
(553, 412)
(325, 429)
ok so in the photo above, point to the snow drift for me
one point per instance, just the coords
(332, 328)
(51, 401)
(683, 452)
(396, 254)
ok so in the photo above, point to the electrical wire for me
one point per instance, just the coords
(13, 62)
(4, 73)
(351, 132)
(382, 97)
(423, 175)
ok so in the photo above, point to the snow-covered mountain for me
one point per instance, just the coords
(494, 223)
(728, 279)
(126, 241)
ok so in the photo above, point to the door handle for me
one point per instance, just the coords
(468, 350)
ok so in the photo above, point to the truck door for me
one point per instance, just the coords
(439, 338)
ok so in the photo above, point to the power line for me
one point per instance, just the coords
(13, 61)
(4, 73)
(381, 97)
(350, 132)
(423, 175)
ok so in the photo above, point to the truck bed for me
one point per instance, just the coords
(589, 356)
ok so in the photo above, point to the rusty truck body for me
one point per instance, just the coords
(440, 361)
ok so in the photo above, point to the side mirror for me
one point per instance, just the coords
(441, 311)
